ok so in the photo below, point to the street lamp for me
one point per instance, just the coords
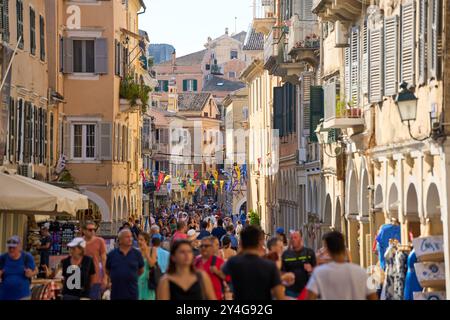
(407, 107)
(322, 138)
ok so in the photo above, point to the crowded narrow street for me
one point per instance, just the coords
(239, 150)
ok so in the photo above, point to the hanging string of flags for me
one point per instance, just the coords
(227, 181)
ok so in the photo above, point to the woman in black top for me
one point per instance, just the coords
(182, 281)
(78, 271)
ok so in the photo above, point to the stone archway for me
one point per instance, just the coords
(327, 212)
(433, 210)
(101, 203)
(393, 202)
(365, 194)
(352, 198)
(125, 213)
(412, 211)
(337, 224)
(237, 208)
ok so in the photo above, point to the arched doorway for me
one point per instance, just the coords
(352, 198)
(393, 202)
(433, 210)
(337, 216)
(124, 209)
(365, 194)
(327, 213)
(412, 212)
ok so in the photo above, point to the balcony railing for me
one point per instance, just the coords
(263, 15)
(339, 115)
(303, 35)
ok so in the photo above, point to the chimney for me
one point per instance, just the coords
(174, 57)
(226, 31)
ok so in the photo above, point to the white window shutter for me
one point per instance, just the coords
(423, 40)
(408, 26)
(105, 141)
(376, 65)
(306, 10)
(347, 73)
(391, 54)
(365, 62)
(354, 66)
(435, 48)
(306, 83)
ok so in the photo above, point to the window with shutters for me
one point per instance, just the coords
(407, 52)
(83, 141)
(11, 130)
(41, 135)
(4, 15)
(19, 16)
(233, 54)
(190, 85)
(365, 59)
(435, 38)
(36, 121)
(28, 133)
(278, 110)
(376, 65)
(83, 56)
(306, 82)
(163, 85)
(354, 67)
(20, 116)
(391, 56)
(52, 137)
(32, 31)
(124, 143)
(347, 74)
(423, 41)
(316, 110)
(42, 37)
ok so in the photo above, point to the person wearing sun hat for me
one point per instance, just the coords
(78, 271)
(17, 268)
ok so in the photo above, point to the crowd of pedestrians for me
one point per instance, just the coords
(192, 252)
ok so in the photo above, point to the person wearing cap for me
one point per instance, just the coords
(44, 248)
(78, 271)
(17, 268)
(192, 236)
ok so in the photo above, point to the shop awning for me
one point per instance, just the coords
(20, 194)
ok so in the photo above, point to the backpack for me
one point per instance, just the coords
(154, 275)
(3, 262)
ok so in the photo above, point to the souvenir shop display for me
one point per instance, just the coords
(438, 295)
(396, 257)
(412, 285)
(430, 267)
(389, 231)
(61, 232)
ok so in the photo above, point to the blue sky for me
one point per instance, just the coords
(186, 24)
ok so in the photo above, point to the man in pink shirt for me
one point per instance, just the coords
(96, 249)
(181, 232)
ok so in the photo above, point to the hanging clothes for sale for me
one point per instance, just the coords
(411, 283)
(387, 232)
(389, 281)
(400, 269)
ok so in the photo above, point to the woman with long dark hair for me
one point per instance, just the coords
(182, 281)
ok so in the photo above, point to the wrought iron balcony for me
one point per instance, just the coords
(263, 15)
(337, 114)
(339, 10)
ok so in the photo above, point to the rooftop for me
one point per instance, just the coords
(188, 60)
(254, 41)
(215, 83)
(192, 101)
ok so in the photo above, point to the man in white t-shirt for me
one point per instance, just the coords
(338, 279)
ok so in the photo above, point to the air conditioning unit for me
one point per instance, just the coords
(341, 35)
(26, 170)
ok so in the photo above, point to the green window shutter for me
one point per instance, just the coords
(166, 85)
(316, 111)
(278, 109)
(185, 85)
(195, 85)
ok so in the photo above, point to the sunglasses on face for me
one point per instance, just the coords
(205, 245)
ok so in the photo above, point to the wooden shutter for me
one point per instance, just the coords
(27, 138)
(347, 73)
(119, 156)
(67, 141)
(306, 10)
(36, 135)
(32, 31)
(116, 59)
(317, 110)
(166, 85)
(376, 65)
(423, 40)
(101, 56)
(365, 59)
(307, 81)
(185, 86)
(407, 53)
(67, 55)
(130, 144)
(45, 133)
(42, 37)
(435, 45)
(354, 66)
(5, 19)
(278, 109)
(105, 141)
(390, 56)
(19, 17)
(195, 85)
